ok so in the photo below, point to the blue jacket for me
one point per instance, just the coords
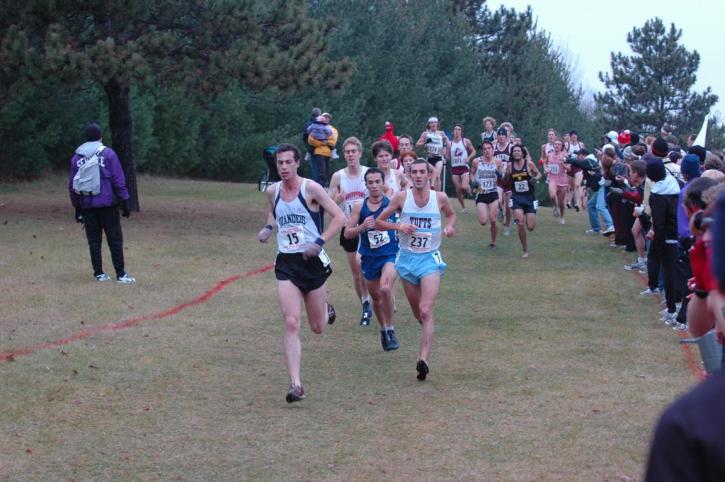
(113, 181)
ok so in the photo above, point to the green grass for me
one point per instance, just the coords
(541, 369)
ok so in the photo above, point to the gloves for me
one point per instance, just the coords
(265, 233)
(124, 209)
(313, 249)
(475, 184)
(79, 216)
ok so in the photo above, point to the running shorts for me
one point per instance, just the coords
(524, 203)
(372, 266)
(487, 198)
(306, 274)
(459, 170)
(412, 267)
(349, 245)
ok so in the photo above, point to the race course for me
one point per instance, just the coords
(546, 368)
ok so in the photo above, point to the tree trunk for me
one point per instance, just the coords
(119, 120)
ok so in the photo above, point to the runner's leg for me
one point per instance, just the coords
(429, 286)
(290, 302)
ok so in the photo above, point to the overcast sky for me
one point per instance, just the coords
(588, 30)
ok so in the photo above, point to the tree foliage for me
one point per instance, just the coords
(654, 84)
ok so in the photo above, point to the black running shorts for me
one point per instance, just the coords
(306, 274)
(349, 245)
(487, 198)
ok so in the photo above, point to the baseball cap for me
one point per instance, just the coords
(502, 131)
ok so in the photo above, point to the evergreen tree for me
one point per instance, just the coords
(653, 86)
(203, 45)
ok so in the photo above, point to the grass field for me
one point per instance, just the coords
(550, 368)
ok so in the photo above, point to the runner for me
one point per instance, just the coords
(434, 141)
(577, 194)
(301, 266)
(556, 170)
(460, 151)
(405, 143)
(549, 146)
(522, 174)
(407, 158)
(486, 171)
(419, 262)
(502, 152)
(394, 179)
(488, 134)
(347, 187)
(378, 250)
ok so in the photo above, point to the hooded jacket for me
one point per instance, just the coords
(113, 181)
(663, 201)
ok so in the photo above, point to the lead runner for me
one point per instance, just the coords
(419, 262)
(301, 266)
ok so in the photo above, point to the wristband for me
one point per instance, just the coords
(319, 241)
(269, 226)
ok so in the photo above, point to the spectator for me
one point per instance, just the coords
(390, 136)
(322, 153)
(316, 112)
(97, 209)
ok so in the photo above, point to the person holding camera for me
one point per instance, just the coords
(97, 189)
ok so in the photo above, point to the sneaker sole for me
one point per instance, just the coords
(422, 369)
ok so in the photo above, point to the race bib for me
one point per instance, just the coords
(521, 186)
(378, 239)
(324, 258)
(293, 237)
(488, 184)
(420, 242)
(554, 169)
(434, 149)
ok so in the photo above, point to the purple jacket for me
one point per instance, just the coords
(683, 222)
(113, 182)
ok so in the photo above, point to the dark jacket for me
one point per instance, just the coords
(113, 181)
(663, 201)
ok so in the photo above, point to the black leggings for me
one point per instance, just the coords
(98, 221)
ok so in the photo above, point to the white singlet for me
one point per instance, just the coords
(573, 148)
(427, 236)
(296, 224)
(434, 144)
(486, 176)
(353, 188)
(391, 179)
(459, 154)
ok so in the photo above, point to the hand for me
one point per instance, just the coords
(474, 184)
(650, 235)
(124, 209)
(264, 234)
(638, 211)
(369, 223)
(79, 216)
(311, 250)
(408, 228)
(449, 231)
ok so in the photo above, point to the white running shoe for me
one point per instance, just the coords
(609, 230)
(126, 279)
(506, 231)
(649, 292)
(103, 277)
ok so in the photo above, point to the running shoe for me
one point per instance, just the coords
(556, 211)
(561, 221)
(635, 266)
(103, 277)
(367, 313)
(331, 314)
(677, 326)
(384, 340)
(506, 231)
(295, 394)
(499, 216)
(392, 340)
(491, 245)
(649, 292)
(576, 208)
(422, 368)
(608, 231)
(126, 279)
(669, 319)
(591, 231)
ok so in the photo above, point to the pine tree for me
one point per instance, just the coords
(195, 44)
(653, 86)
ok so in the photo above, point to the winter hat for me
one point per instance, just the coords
(659, 147)
(699, 151)
(609, 147)
(93, 132)
(634, 138)
(502, 131)
(655, 169)
(690, 166)
(612, 136)
(718, 243)
(674, 156)
(623, 138)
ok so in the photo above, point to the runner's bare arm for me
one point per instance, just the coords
(445, 205)
(533, 169)
(396, 204)
(335, 191)
(421, 140)
(266, 232)
(474, 168)
(325, 201)
(471, 150)
(351, 227)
